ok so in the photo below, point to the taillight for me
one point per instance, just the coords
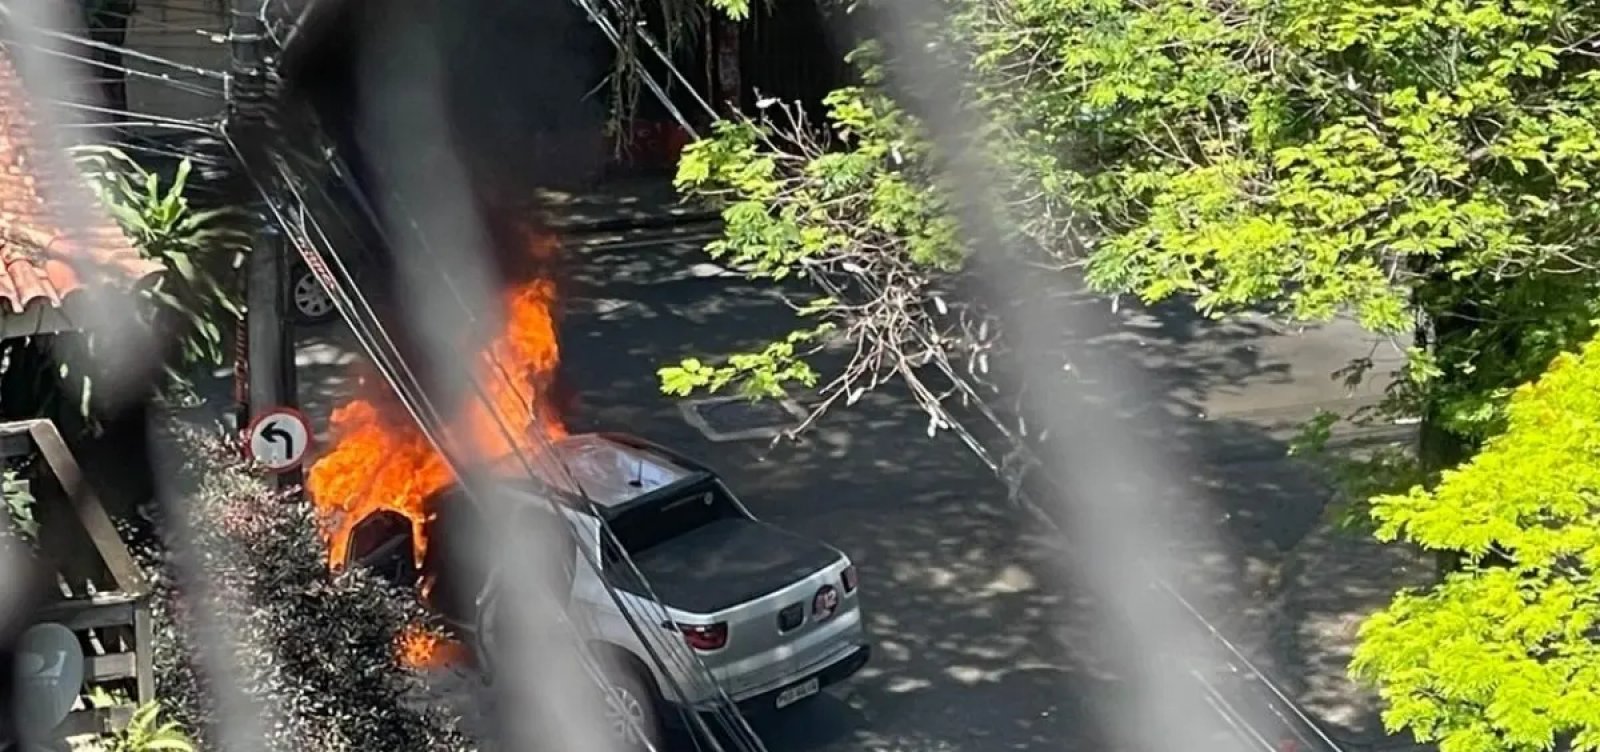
(705, 636)
(848, 579)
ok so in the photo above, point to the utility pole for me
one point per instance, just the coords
(269, 335)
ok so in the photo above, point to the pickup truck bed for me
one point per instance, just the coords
(725, 563)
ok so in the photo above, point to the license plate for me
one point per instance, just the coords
(798, 692)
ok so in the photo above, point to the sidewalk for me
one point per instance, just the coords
(1330, 583)
(1323, 587)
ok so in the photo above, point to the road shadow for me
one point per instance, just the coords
(984, 640)
(978, 647)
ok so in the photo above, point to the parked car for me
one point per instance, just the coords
(312, 303)
(774, 616)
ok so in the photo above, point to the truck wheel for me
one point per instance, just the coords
(631, 712)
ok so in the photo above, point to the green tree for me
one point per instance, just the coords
(1427, 165)
(1422, 160)
(1501, 656)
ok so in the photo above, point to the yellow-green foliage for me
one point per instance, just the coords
(1319, 156)
(1432, 158)
(1410, 161)
(1503, 657)
(147, 732)
(851, 201)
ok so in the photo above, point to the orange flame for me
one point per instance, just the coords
(422, 648)
(382, 461)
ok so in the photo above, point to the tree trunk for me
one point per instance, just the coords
(729, 86)
(1438, 448)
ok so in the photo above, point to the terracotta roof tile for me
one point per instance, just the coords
(43, 263)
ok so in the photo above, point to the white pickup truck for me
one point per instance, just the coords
(774, 616)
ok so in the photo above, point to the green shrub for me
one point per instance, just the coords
(313, 652)
(198, 249)
(147, 732)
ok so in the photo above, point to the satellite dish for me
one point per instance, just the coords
(48, 678)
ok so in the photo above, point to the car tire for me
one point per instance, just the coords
(308, 301)
(632, 712)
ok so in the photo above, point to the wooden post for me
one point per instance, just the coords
(144, 639)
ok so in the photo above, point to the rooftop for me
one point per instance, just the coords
(42, 263)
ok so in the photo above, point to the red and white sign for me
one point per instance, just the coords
(278, 439)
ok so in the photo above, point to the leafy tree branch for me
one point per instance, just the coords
(1502, 655)
(199, 249)
(1427, 167)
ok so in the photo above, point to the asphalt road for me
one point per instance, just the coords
(982, 643)
(984, 639)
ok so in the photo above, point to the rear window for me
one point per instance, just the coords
(659, 521)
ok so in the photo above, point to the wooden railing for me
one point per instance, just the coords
(101, 594)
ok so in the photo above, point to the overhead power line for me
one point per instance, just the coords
(371, 332)
(124, 70)
(373, 336)
(135, 54)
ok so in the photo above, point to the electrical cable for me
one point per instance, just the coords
(166, 79)
(498, 418)
(1255, 672)
(650, 82)
(978, 449)
(312, 256)
(194, 158)
(365, 322)
(143, 21)
(120, 124)
(362, 319)
(666, 59)
(736, 726)
(135, 54)
(195, 126)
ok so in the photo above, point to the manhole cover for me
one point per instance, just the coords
(737, 418)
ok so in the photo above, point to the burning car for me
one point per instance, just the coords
(677, 560)
(773, 616)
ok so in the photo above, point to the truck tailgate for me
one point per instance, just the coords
(726, 563)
